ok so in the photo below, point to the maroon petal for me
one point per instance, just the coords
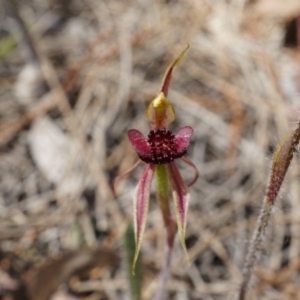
(121, 176)
(196, 175)
(183, 139)
(140, 206)
(181, 198)
(168, 75)
(140, 144)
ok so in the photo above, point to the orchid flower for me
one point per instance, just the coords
(159, 150)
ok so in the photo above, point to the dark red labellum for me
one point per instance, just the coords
(163, 146)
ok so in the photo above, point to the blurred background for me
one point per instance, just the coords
(75, 76)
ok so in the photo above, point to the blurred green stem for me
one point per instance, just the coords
(11, 8)
(135, 281)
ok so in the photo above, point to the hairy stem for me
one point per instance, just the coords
(164, 275)
(281, 161)
(161, 293)
(255, 246)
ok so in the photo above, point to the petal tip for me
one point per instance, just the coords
(183, 244)
(135, 258)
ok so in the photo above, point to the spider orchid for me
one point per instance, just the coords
(159, 150)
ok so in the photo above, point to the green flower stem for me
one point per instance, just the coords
(162, 195)
(162, 192)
